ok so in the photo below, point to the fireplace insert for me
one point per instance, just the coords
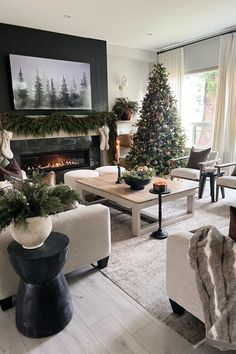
(55, 160)
(59, 154)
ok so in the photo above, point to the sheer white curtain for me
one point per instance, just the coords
(173, 61)
(224, 134)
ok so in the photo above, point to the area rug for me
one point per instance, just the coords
(137, 264)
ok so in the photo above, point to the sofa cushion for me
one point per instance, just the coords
(232, 223)
(227, 181)
(189, 173)
(197, 156)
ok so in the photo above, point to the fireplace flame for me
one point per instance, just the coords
(57, 163)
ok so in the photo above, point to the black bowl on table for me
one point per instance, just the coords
(135, 183)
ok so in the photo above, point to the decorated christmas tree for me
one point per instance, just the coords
(159, 136)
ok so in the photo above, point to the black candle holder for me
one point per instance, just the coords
(118, 181)
(159, 234)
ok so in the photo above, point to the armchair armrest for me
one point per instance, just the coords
(228, 164)
(172, 161)
(205, 163)
(222, 165)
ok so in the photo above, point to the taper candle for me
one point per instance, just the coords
(118, 150)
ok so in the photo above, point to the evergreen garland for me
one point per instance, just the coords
(159, 136)
(40, 126)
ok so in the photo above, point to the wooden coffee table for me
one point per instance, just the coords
(106, 187)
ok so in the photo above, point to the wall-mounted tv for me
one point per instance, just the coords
(40, 83)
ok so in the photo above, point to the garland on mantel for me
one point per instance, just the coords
(39, 126)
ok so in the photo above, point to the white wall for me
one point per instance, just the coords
(132, 63)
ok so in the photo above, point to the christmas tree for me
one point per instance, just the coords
(159, 136)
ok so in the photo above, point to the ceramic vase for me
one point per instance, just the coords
(33, 234)
(137, 184)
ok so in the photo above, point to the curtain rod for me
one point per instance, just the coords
(196, 41)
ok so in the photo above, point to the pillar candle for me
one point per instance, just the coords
(118, 150)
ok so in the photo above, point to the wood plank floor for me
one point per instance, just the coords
(105, 320)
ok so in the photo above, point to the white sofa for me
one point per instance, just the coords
(181, 287)
(89, 231)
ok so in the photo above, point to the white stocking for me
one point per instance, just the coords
(5, 148)
(102, 139)
(106, 133)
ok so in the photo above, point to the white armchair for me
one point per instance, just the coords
(181, 286)
(192, 174)
(225, 181)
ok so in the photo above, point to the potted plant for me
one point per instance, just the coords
(124, 108)
(139, 177)
(27, 206)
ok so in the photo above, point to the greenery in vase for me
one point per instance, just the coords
(30, 199)
(140, 173)
(159, 137)
(123, 104)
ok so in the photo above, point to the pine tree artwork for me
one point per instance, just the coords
(38, 91)
(159, 136)
(21, 90)
(53, 95)
(64, 94)
(42, 83)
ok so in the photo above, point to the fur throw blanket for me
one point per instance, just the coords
(213, 257)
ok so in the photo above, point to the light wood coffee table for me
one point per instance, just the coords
(121, 194)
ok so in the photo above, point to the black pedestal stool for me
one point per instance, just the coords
(43, 305)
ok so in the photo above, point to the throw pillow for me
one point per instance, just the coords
(232, 223)
(49, 179)
(10, 170)
(234, 172)
(197, 156)
(71, 206)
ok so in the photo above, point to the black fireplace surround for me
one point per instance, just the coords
(57, 154)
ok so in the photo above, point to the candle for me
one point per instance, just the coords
(118, 150)
(160, 185)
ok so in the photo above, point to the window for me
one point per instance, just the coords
(198, 106)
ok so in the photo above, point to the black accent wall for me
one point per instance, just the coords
(44, 44)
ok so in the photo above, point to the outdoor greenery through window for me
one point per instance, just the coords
(198, 107)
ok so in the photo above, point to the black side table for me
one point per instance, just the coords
(160, 234)
(43, 305)
(212, 176)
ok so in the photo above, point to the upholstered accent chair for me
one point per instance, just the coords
(225, 181)
(189, 173)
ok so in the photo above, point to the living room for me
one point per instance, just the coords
(137, 241)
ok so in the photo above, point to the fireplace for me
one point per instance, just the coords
(57, 154)
(55, 160)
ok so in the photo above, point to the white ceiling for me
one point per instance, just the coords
(125, 22)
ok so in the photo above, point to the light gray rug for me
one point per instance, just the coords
(137, 264)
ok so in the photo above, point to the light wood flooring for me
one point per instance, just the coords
(105, 320)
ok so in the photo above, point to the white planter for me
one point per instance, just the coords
(34, 233)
